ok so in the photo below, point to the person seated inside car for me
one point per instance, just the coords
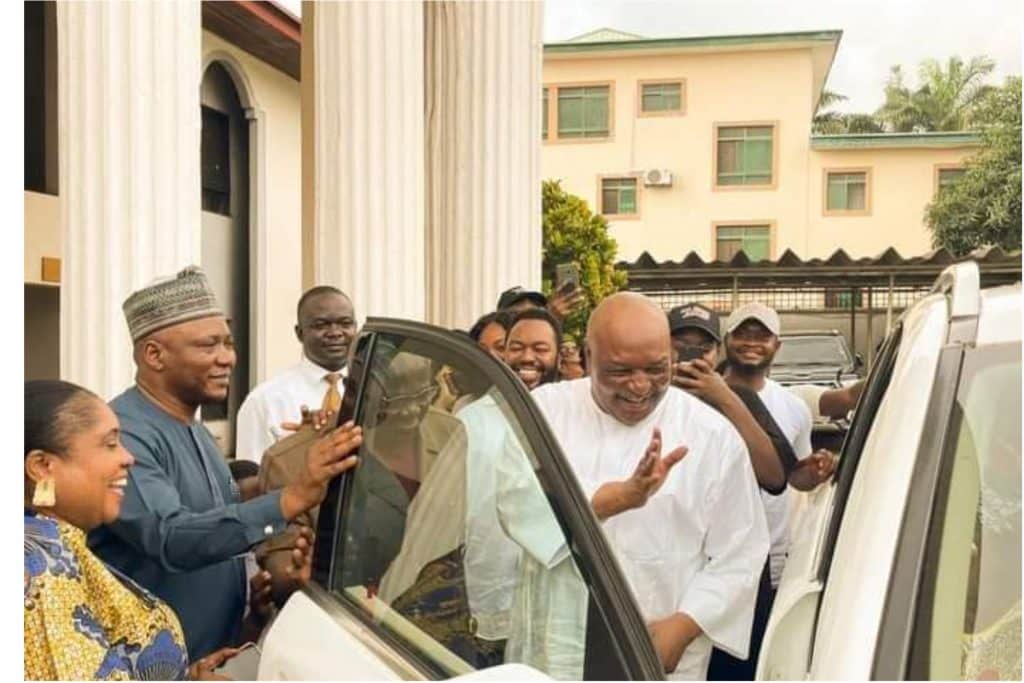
(403, 435)
(484, 568)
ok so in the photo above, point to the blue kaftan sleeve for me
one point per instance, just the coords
(155, 522)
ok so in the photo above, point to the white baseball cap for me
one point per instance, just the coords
(755, 311)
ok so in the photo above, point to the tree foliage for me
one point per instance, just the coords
(573, 233)
(828, 122)
(945, 99)
(983, 206)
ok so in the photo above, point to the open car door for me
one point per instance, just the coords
(462, 544)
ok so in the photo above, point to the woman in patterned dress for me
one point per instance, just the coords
(84, 620)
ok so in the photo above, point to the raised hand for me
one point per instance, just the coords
(653, 469)
(648, 476)
(561, 304)
(327, 457)
(700, 379)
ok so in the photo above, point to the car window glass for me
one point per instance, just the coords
(812, 350)
(446, 539)
(975, 607)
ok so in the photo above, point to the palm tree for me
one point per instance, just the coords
(861, 124)
(945, 99)
(828, 122)
(836, 123)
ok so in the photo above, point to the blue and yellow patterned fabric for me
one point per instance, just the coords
(84, 621)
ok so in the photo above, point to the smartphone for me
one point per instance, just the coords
(690, 353)
(567, 277)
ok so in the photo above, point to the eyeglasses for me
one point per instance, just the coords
(393, 404)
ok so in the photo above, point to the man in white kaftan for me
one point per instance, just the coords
(691, 537)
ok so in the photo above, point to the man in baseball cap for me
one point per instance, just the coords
(519, 298)
(765, 315)
(561, 303)
(695, 345)
(696, 332)
(751, 341)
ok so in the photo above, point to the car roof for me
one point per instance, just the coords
(1000, 317)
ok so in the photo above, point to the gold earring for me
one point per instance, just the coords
(45, 495)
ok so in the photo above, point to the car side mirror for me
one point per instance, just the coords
(858, 361)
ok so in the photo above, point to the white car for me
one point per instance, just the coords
(460, 546)
(909, 565)
(435, 562)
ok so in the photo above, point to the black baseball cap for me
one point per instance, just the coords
(510, 297)
(696, 316)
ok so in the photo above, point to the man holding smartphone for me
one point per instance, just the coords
(566, 297)
(695, 342)
(696, 338)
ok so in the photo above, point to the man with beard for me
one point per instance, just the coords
(326, 328)
(751, 342)
(696, 336)
(183, 526)
(532, 347)
(689, 534)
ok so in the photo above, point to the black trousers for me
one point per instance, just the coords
(725, 667)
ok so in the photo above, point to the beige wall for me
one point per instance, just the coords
(42, 233)
(278, 251)
(902, 184)
(721, 87)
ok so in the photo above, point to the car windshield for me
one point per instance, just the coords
(813, 351)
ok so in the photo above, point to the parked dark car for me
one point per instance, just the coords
(816, 358)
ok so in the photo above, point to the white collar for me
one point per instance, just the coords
(316, 373)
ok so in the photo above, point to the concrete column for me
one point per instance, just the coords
(362, 137)
(483, 99)
(128, 89)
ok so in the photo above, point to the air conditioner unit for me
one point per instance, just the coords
(658, 177)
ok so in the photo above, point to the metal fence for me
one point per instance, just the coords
(863, 315)
(793, 299)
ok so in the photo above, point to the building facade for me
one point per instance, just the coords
(160, 135)
(705, 144)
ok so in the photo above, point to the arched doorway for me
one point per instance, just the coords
(226, 248)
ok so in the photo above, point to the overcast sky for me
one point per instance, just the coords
(876, 33)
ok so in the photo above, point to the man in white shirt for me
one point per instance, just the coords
(751, 342)
(326, 328)
(689, 532)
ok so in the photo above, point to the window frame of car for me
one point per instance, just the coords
(610, 599)
(897, 624)
(912, 595)
(875, 387)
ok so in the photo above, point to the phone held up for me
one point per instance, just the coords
(690, 353)
(567, 277)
